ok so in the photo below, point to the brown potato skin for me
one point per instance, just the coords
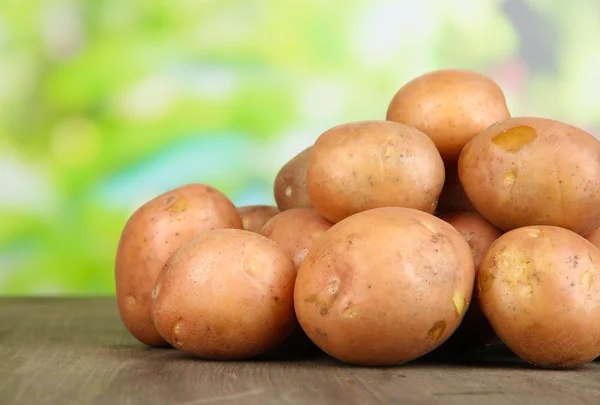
(295, 230)
(475, 330)
(290, 183)
(226, 294)
(378, 288)
(538, 286)
(255, 216)
(362, 165)
(453, 198)
(452, 106)
(150, 236)
(554, 179)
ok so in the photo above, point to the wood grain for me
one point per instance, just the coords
(76, 351)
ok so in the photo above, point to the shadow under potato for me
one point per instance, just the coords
(297, 346)
(492, 356)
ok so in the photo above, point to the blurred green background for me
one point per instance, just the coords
(106, 104)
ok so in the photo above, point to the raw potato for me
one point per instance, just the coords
(226, 294)
(594, 237)
(451, 106)
(290, 183)
(295, 230)
(150, 236)
(539, 286)
(478, 233)
(384, 286)
(453, 198)
(534, 171)
(475, 330)
(255, 216)
(363, 165)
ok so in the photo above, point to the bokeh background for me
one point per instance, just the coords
(106, 104)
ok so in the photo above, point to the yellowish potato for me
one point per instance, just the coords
(539, 286)
(384, 286)
(358, 166)
(534, 171)
(451, 106)
(150, 236)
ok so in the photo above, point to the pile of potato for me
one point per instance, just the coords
(448, 223)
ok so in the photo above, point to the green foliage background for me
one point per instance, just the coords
(105, 104)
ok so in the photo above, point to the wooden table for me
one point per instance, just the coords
(76, 351)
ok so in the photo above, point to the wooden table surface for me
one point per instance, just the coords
(76, 351)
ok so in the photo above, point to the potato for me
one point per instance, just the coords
(475, 330)
(358, 166)
(226, 294)
(478, 232)
(534, 171)
(451, 106)
(538, 288)
(453, 198)
(150, 236)
(290, 183)
(594, 237)
(384, 286)
(255, 216)
(295, 230)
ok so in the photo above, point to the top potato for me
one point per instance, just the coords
(534, 171)
(150, 236)
(451, 106)
(370, 164)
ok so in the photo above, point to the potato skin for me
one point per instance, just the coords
(226, 294)
(150, 236)
(452, 106)
(295, 230)
(594, 237)
(358, 166)
(290, 183)
(534, 171)
(255, 216)
(538, 287)
(478, 233)
(475, 330)
(384, 286)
